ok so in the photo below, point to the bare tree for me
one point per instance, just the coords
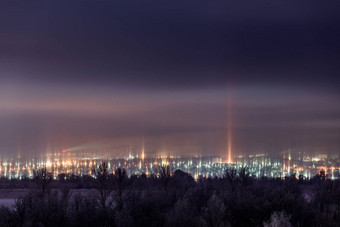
(230, 174)
(121, 175)
(164, 173)
(103, 182)
(42, 178)
(278, 219)
(244, 176)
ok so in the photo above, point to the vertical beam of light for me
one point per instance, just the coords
(143, 154)
(229, 126)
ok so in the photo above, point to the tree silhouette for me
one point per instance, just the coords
(42, 179)
(231, 174)
(121, 175)
(164, 173)
(103, 182)
(244, 176)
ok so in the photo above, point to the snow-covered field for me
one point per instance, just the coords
(13, 193)
(7, 202)
(9, 196)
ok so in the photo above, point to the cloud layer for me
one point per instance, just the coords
(103, 72)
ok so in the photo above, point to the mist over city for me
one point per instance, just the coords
(162, 91)
(76, 73)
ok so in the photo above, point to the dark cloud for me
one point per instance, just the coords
(173, 43)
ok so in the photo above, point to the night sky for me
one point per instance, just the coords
(106, 74)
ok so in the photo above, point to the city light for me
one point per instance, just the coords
(258, 165)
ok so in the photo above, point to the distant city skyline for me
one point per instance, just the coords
(134, 161)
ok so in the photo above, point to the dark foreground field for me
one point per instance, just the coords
(168, 199)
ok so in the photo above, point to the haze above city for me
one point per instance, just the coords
(183, 77)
